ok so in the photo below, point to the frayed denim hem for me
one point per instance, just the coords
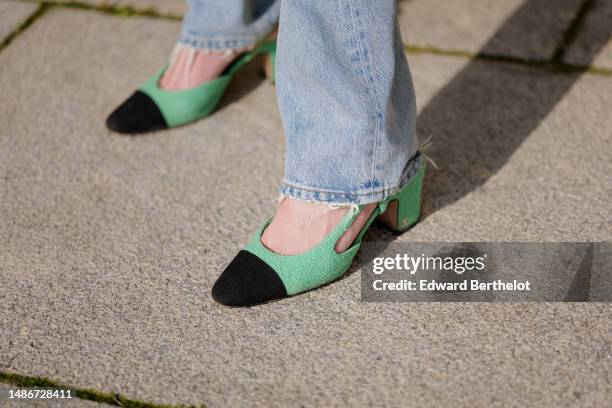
(359, 197)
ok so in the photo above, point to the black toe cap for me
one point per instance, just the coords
(247, 280)
(138, 114)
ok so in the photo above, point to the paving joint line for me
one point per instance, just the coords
(556, 64)
(112, 9)
(88, 394)
(571, 32)
(39, 12)
(549, 65)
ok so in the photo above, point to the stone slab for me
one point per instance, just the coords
(529, 29)
(520, 28)
(110, 245)
(514, 143)
(593, 44)
(12, 15)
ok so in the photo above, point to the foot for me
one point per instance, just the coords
(191, 68)
(299, 226)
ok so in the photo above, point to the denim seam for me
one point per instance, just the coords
(371, 91)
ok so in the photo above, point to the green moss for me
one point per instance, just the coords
(42, 8)
(414, 49)
(553, 66)
(81, 393)
(599, 71)
(572, 30)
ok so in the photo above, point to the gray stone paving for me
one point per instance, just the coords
(12, 14)
(524, 29)
(109, 245)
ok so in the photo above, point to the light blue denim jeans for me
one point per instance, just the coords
(343, 85)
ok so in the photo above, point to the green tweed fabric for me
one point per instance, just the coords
(185, 106)
(322, 264)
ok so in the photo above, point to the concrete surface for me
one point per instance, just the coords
(524, 154)
(597, 29)
(529, 29)
(109, 245)
(12, 14)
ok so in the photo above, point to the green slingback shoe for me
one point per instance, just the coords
(151, 108)
(259, 275)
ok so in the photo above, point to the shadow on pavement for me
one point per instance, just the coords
(488, 109)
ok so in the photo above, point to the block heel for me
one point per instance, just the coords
(269, 61)
(404, 207)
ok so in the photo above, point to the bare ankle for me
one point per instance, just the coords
(190, 67)
(299, 226)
